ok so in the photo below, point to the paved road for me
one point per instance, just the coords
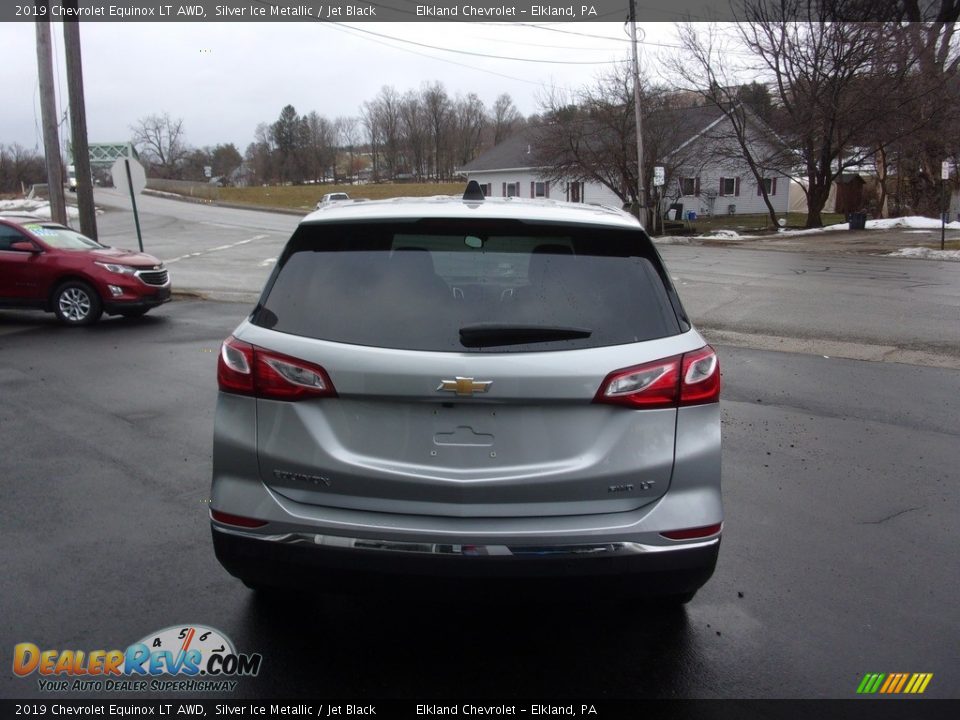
(220, 252)
(859, 306)
(854, 306)
(839, 554)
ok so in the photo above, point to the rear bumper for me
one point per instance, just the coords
(340, 564)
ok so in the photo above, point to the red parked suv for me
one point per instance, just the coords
(47, 266)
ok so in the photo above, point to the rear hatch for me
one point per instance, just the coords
(463, 359)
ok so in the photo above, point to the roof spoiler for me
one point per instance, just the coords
(473, 192)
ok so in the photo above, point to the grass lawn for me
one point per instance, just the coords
(305, 197)
(947, 245)
(753, 223)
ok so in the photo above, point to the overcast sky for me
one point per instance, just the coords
(224, 79)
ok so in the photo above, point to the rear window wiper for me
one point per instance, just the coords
(492, 334)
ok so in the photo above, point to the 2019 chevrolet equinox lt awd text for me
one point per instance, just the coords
(470, 389)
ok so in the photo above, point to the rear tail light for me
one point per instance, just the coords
(689, 379)
(245, 369)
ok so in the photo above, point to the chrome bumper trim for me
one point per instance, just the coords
(465, 550)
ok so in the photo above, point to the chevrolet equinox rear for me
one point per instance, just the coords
(450, 391)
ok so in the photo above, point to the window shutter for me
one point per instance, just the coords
(504, 190)
(774, 190)
(546, 188)
(721, 185)
(532, 190)
(736, 187)
(759, 187)
(696, 187)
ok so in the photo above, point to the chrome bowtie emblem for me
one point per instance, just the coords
(465, 386)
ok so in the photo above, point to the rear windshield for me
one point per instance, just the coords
(474, 286)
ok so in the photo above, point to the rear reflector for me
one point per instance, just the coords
(693, 533)
(239, 521)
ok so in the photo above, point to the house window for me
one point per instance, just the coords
(770, 185)
(729, 186)
(690, 186)
(511, 189)
(575, 192)
(487, 189)
(540, 190)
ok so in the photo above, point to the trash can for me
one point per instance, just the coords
(857, 220)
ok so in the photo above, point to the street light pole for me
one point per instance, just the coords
(641, 190)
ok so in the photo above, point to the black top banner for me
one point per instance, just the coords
(48, 708)
(461, 11)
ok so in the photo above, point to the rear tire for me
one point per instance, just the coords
(75, 303)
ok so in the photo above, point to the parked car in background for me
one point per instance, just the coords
(466, 390)
(47, 266)
(331, 198)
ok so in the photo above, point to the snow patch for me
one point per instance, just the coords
(40, 208)
(926, 253)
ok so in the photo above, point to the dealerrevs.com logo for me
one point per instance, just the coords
(201, 658)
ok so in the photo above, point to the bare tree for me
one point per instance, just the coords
(20, 167)
(505, 118)
(703, 70)
(348, 138)
(416, 134)
(260, 155)
(371, 123)
(319, 145)
(832, 82)
(469, 121)
(160, 141)
(590, 135)
(931, 105)
(438, 111)
(382, 119)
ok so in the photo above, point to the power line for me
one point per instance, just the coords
(483, 55)
(591, 35)
(346, 29)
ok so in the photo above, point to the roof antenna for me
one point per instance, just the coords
(473, 191)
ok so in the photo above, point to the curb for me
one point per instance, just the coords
(218, 203)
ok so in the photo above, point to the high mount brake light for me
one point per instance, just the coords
(245, 369)
(689, 379)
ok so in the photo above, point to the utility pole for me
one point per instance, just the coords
(641, 191)
(78, 124)
(48, 113)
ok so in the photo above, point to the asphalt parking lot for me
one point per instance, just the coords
(838, 557)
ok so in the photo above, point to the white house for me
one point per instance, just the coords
(703, 170)
(507, 170)
(707, 174)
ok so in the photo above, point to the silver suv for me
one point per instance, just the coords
(462, 390)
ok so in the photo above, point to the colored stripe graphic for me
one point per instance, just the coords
(870, 683)
(903, 680)
(894, 683)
